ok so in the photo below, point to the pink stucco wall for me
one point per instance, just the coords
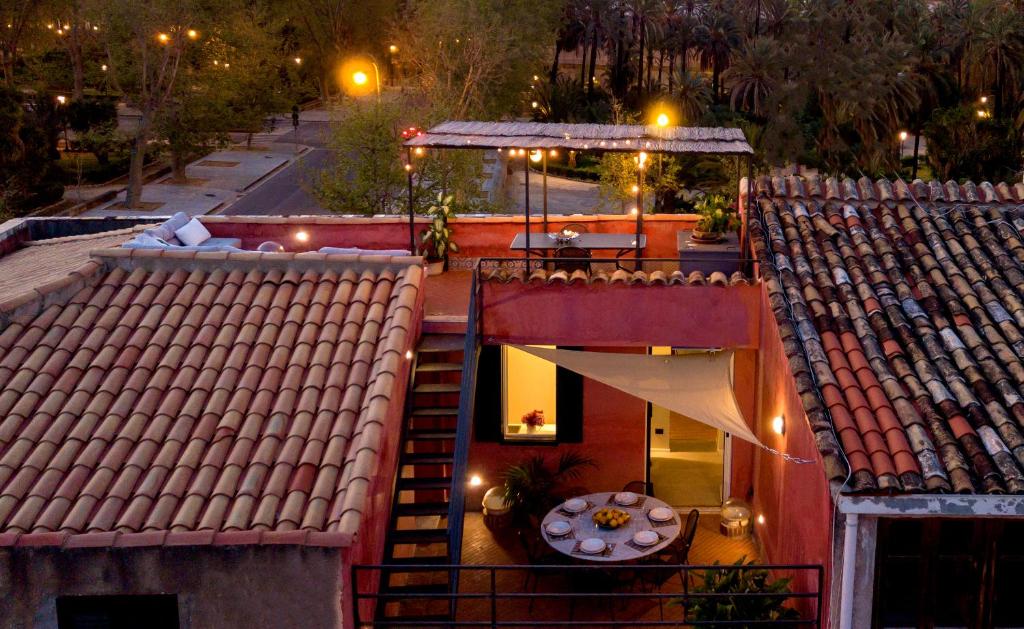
(614, 435)
(793, 498)
(368, 545)
(616, 315)
(476, 236)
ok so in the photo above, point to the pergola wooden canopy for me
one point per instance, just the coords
(533, 136)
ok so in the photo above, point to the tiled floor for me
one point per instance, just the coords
(482, 546)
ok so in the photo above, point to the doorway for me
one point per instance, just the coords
(686, 464)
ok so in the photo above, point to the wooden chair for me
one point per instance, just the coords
(678, 552)
(638, 487)
(572, 265)
(538, 555)
(579, 228)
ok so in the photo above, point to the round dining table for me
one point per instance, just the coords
(619, 542)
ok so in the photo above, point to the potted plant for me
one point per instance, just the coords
(716, 218)
(533, 420)
(739, 609)
(437, 243)
(533, 486)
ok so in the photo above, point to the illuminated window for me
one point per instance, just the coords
(528, 396)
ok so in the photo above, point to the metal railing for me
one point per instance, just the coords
(685, 264)
(463, 428)
(494, 596)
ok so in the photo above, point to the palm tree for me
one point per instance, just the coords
(571, 33)
(718, 36)
(693, 97)
(997, 49)
(680, 36)
(646, 23)
(753, 75)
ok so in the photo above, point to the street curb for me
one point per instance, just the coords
(261, 180)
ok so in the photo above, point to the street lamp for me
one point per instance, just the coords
(662, 120)
(356, 74)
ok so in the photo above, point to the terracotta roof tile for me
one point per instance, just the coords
(169, 401)
(906, 303)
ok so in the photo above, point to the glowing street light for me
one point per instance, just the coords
(193, 34)
(163, 38)
(662, 120)
(984, 99)
(298, 61)
(359, 77)
(392, 49)
(903, 136)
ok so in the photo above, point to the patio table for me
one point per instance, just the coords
(618, 540)
(621, 244)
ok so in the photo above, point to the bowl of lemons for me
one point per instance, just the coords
(610, 518)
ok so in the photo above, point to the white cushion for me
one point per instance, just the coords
(193, 233)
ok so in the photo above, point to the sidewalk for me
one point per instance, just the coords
(214, 181)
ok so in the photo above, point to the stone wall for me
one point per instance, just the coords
(218, 586)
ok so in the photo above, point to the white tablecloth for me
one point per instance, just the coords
(583, 527)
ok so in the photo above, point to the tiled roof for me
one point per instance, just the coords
(38, 262)
(619, 276)
(193, 398)
(901, 308)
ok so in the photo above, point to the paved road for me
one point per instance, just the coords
(289, 192)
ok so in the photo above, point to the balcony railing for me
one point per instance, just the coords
(686, 265)
(494, 596)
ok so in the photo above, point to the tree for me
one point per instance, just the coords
(717, 36)
(17, 17)
(365, 175)
(997, 51)
(150, 43)
(753, 75)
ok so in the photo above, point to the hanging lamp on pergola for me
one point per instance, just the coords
(523, 138)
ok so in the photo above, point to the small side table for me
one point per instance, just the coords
(708, 257)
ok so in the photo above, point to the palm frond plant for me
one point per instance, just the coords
(732, 611)
(436, 242)
(533, 486)
(716, 218)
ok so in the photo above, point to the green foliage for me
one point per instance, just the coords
(29, 129)
(618, 176)
(365, 175)
(739, 608)
(436, 239)
(532, 486)
(716, 214)
(962, 146)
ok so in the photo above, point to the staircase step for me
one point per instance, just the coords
(405, 484)
(441, 411)
(438, 367)
(440, 387)
(418, 536)
(438, 560)
(417, 620)
(442, 343)
(421, 508)
(427, 458)
(430, 434)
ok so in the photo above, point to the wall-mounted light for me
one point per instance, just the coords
(302, 236)
(408, 354)
(475, 480)
(779, 425)
(760, 519)
(536, 156)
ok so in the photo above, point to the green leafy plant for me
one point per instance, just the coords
(716, 215)
(532, 487)
(740, 608)
(436, 240)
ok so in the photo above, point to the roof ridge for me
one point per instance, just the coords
(94, 236)
(843, 188)
(32, 301)
(191, 260)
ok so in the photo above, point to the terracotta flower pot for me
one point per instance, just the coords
(707, 237)
(435, 267)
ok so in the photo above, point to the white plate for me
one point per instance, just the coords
(592, 545)
(625, 498)
(645, 538)
(558, 528)
(661, 514)
(575, 505)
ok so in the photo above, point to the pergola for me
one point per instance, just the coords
(523, 138)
